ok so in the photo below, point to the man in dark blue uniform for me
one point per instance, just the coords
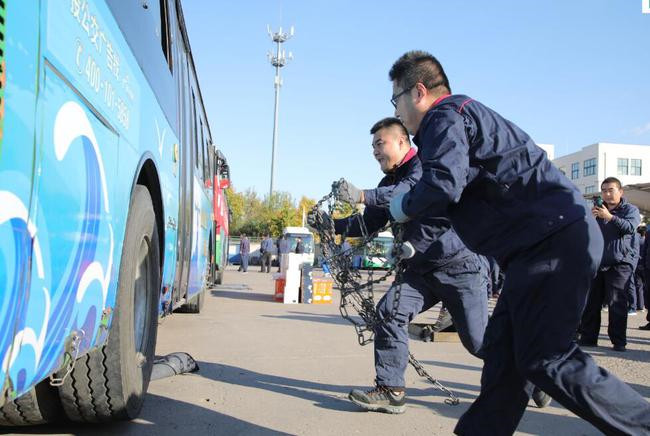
(441, 269)
(505, 199)
(613, 284)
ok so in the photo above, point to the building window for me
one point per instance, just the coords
(622, 167)
(590, 189)
(575, 170)
(590, 167)
(636, 167)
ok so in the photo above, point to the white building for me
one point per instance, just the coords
(588, 167)
(549, 149)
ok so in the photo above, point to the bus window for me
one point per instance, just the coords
(194, 133)
(165, 33)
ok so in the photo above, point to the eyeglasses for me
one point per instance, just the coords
(396, 97)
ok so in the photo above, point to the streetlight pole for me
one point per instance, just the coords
(278, 60)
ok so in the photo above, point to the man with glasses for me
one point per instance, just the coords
(506, 200)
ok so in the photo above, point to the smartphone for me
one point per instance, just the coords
(598, 201)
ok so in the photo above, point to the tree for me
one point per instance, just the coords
(254, 216)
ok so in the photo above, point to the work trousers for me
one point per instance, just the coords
(460, 285)
(265, 261)
(530, 335)
(244, 263)
(611, 287)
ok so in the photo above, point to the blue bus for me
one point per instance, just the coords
(106, 190)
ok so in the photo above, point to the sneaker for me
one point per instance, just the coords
(379, 399)
(541, 398)
(645, 327)
(631, 312)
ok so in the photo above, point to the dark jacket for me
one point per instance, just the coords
(266, 246)
(434, 240)
(645, 256)
(499, 189)
(621, 244)
(300, 247)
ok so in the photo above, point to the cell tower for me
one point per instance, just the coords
(278, 60)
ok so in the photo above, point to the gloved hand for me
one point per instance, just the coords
(319, 216)
(349, 193)
(395, 209)
(400, 252)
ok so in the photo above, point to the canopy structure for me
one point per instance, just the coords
(639, 195)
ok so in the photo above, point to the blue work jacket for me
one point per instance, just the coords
(499, 189)
(619, 234)
(432, 236)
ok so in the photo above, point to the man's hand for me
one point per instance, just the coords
(349, 193)
(400, 252)
(602, 212)
(314, 218)
(395, 209)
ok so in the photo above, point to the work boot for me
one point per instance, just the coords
(541, 398)
(380, 399)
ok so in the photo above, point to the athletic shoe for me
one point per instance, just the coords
(379, 399)
(541, 398)
(631, 312)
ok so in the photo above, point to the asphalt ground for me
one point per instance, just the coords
(270, 368)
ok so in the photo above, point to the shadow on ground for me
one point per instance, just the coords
(160, 416)
(334, 397)
(243, 295)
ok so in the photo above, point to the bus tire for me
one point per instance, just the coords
(109, 383)
(40, 405)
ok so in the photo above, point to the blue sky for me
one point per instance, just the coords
(570, 73)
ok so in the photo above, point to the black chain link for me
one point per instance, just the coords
(357, 295)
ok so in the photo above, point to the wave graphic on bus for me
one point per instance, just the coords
(80, 294)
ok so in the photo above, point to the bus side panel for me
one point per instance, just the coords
(74, 206)
(19, 243)
(89, 111)
(201, 224)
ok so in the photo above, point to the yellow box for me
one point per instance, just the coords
(322, 291)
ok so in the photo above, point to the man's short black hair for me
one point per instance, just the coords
(612, 180)
(390, 122)
(418, 66)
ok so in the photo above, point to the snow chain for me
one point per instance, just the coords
(357, 297)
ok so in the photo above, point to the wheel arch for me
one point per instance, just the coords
(147, 176)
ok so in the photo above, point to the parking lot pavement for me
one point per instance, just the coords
(270, 368)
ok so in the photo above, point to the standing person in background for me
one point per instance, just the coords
(639, 273)
(283, 250)
(300, 247)
(266, 251)
(632, 290)
(244, 251)
(618, 221)
(646, 267)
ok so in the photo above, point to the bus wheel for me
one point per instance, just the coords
(110, 382)
(40, 405)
